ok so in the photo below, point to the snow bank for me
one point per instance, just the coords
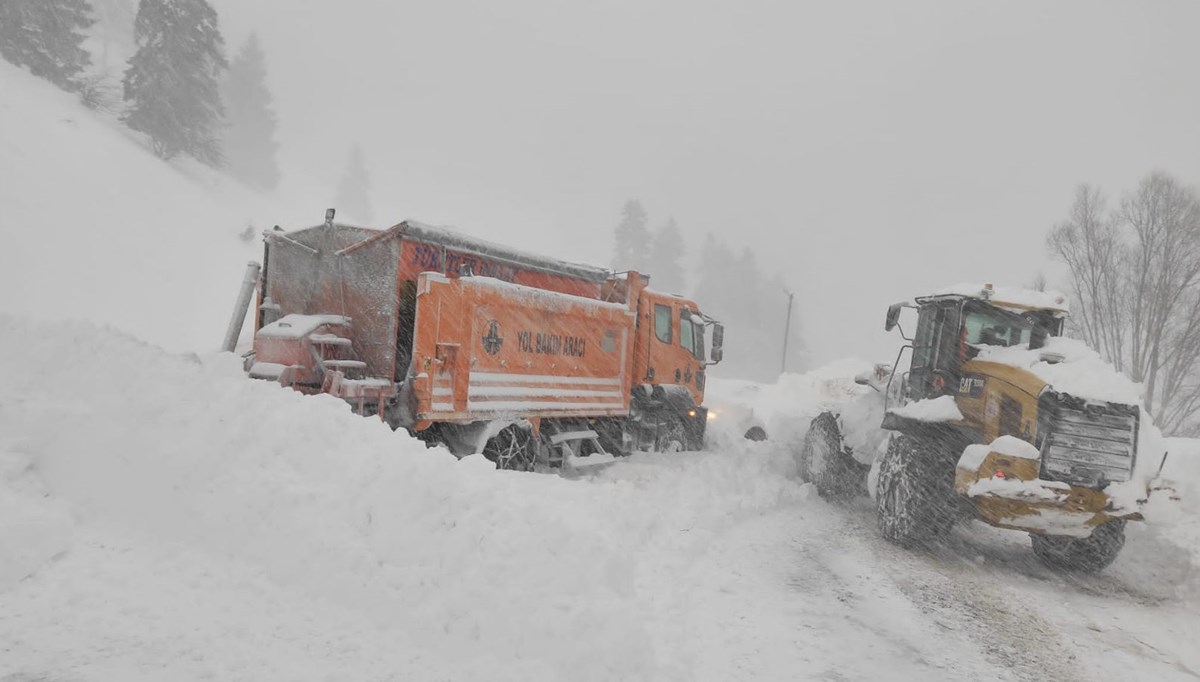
(786, 406)
(139, 490)
(1179, 521)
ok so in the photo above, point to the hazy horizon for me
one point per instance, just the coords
(871, 151)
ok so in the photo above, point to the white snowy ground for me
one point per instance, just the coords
(164, 518)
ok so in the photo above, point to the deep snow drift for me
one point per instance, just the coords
(136, 484)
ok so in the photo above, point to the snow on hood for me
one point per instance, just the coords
(1069, 366)
(1010, 296)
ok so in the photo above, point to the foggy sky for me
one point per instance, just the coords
(873, 150)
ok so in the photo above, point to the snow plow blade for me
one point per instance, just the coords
(1014, 485)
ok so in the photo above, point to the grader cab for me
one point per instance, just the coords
(995, 418)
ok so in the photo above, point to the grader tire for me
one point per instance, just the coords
(1086, 555)
(826, 464)
(914, 495)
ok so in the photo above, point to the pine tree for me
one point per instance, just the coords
(354, 192)
(114, 30)
(46, 36)
(714, 285)
(172, 80)
(632, 239)
(666, 252)
(249, 140)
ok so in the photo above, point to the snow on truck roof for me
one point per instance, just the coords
(450, 239)
(481, 247)
(1008, 297)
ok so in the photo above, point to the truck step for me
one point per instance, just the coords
(572, 435)
(330, 340)
(344, 364)
(267, 370)
(593, 460)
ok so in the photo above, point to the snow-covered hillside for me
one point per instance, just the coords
(96, 227)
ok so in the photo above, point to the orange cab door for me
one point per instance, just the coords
(670, 355)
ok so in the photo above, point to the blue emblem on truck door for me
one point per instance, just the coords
(492, 341)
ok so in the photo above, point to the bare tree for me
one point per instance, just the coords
(1135, 276)
(1089, 243)
(1164, 217)
(1039, 282)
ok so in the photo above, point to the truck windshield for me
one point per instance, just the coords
(691, 333)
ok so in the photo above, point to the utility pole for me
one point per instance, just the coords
(787, 330)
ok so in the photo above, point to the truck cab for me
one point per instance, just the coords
(672, 342)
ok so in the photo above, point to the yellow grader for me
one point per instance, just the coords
(997, 418)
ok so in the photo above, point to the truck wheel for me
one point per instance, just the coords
(825, 463)
(663, 431)
(1089, 555)
(512, 448)
(914, 496)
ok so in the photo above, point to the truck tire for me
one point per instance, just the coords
(826, 464)
(914, 494)
(671, 435)
(512, 449)
(1088, 555)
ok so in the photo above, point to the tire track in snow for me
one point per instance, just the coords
(1006, 629)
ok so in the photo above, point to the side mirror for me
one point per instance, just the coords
(718, 343)
(893, 316)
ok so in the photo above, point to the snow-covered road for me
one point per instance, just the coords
(981, 607)
(161, 517)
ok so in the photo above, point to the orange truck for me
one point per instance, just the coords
(532, 361)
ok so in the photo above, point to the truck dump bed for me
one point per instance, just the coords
(369, 276)
(486, 349)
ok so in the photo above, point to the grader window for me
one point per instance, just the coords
(686, 335)
(929, 333)
(996, 328)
